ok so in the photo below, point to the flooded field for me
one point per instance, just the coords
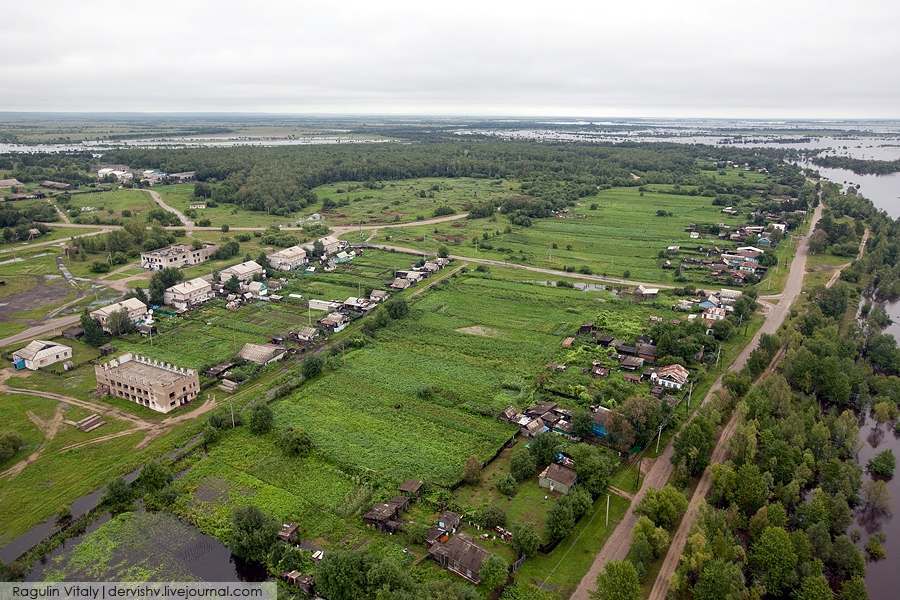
(882, 577)
(143, 546)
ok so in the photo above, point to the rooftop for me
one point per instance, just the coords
(143, 370)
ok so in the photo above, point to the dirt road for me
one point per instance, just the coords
(509, 265)
(187, 223)
(619, 542)
(676, 548)
(336, 231)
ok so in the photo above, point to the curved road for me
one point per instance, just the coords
(619, 542)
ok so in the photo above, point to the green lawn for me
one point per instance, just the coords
(181, 196)
(560, 570)
(111, 207)
(622, 234)
(404, 200)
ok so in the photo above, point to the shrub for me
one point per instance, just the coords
(261, 419)
(312, 366)
(883, 464)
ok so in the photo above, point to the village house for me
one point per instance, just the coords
(331, 244)
(188, 294)
(137, 312)
(358, 305)
(672, 377)
(176, 256)
(631, 363)
(182, 176)
(8, 183)
(40, 353)
(155, 384)
(334, 322)
(411, 487)
(56, 185)
(378, 296)
(304, 583)
(411, 276)
(326, 305)
(600, 418)
(646, 293)
(244, 272)
(261, 354)
(557, 478)
(449, 521)
(120, 174)
(307, 334)
(647, 352)
(460, 555)
(715, 313)
(257, 289)
(288, 258)
(385, 516)
(400, 283)
(289, 532)
(431, 267)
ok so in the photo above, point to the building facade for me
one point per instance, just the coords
(137, 311)
(188, 293)
(155, 384)
(244, 271)
(176, 256)
(288, 258)
(39, 354)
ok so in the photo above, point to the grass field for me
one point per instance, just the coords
(59, 476)
(113, 206)
(212, 334)
(181, 195)
(621, 235)
(406, 199)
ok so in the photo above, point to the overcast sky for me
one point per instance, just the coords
(594, 58)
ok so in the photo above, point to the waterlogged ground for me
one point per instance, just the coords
(141, 546)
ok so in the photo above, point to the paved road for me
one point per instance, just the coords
(619, 542)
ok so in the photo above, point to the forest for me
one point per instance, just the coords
(279, 180)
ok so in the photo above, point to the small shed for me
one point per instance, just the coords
(411, 487)
(557, 478)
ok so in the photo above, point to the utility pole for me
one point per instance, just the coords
(658, 436)
(607, 510)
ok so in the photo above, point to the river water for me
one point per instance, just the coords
(882, 577)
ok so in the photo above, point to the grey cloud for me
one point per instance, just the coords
(659, 58)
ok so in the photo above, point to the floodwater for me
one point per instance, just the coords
(42, 531)
(882, 577)
(188, 142)
(882, 190)
(190, 554)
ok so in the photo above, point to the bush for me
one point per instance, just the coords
(883, 464)
(491, 516)
(525, 540)
(507, 486)
(522, 465)
(295, 442)
(261, 419)
(663, 507)
(10, 443)
(312, 366)
(252, 533)
(397, 309)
